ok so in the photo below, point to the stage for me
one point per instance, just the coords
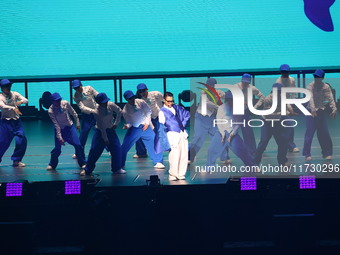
(40, 138)
(207, 213)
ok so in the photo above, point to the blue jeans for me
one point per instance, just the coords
(10, 129)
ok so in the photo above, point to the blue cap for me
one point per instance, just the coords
(141, 86)
(211, 82)
(319, 73)
(101, 98)
(76, 83)
(128, 94)
(278, 86)
(55, 96)
(284, 68)
(228, 95)
(5, 82)
(246, 78)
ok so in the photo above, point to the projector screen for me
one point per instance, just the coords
(40, 37)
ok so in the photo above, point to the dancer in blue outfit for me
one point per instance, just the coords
(274, 128)
(227, 135)
(10, 123)
(247, 131)
(137, 115)
(105, 134)
(203, 125)
(60, 112)
(321, 93)
(288, 82)
(154, 101)
(84, 96)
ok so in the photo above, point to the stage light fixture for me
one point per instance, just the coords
(154, 181)
(14, 189)
(248, 183)
(72, 187)
(307, 182)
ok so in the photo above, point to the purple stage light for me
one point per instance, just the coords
(72, 187)
(248, 183)
(307, 182)
(14, 189)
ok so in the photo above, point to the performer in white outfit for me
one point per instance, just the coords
(175, 118)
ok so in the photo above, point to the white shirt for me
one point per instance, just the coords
(173, 137)
(211, 106)
(137, 114)
(154, 101)
(321, 94)
(255, 91)
(104, 116)
(288, 83)
(60, 116)
(8, 104)
(86, 98)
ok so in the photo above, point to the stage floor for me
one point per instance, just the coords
(41, 139)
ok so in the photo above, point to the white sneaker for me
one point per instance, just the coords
(296, 149)
(18, 164)
(74, 156)
(120, 171)
(328, 157)
(83, 173)
(49, 167)
(139, 156)
(159, 165)
(181, 178)
(309, 158)
(172, 178)
(83, 166)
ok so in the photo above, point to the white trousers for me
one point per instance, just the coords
(178, 156)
